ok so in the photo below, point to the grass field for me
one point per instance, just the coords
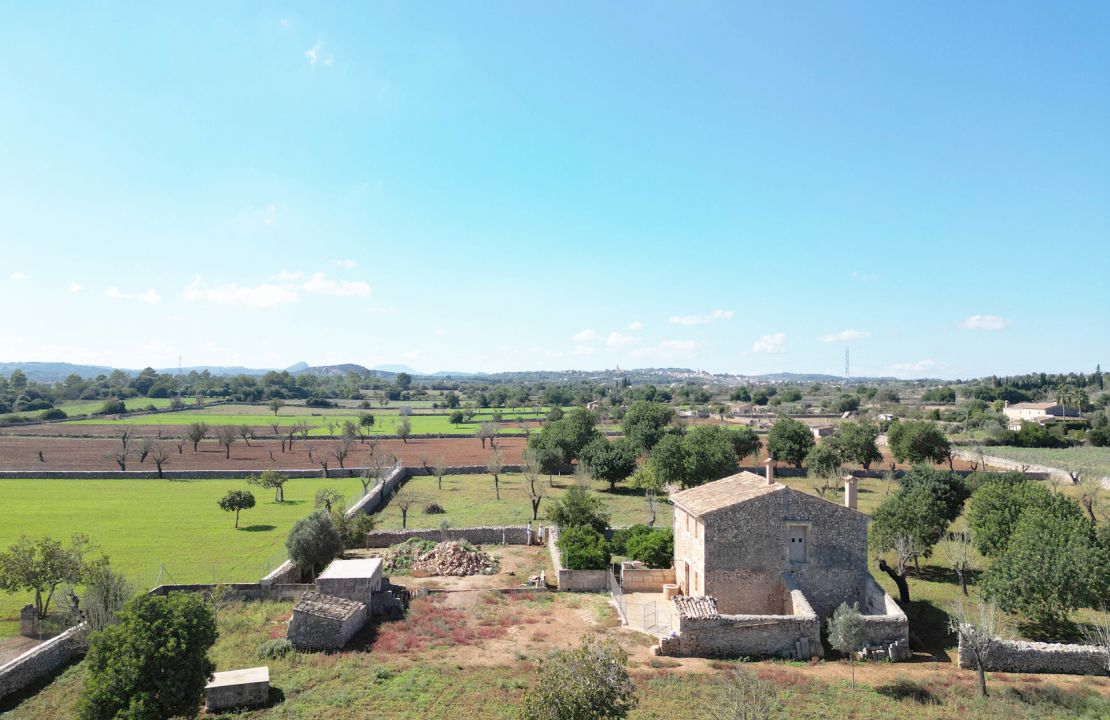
(1096, 459)
(142, 524)
(470, 500)
(87, 407)
(384, 424)
(457, 666)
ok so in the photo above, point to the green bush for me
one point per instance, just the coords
(583, 548)
(112, 406)
(579, 506)
(619, 543)
(654, 549)
(54, 414)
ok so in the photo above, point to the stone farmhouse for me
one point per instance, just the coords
(760, 565)
(1041, 412)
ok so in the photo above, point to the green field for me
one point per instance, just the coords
(384, 423)
(1090, 459)
(143, 524)
(470, 500)
(87, 407)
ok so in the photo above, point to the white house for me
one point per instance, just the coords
(1037, 412)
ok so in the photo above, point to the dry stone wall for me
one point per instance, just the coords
(487, 535)
(1034, 657)
(574, 580)
(42, 661)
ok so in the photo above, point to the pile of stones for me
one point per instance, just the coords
(452, 558)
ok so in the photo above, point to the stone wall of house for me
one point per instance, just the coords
(360, 589)
(689, 553)
(1035, 657)
(41, 661)
(312, 632)
(746, 550)
(486, 535)
(787, 636)
(574, 580)
(643, 579)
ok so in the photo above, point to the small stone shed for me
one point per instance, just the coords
(323, 622)
(249, 687)
(356, 579)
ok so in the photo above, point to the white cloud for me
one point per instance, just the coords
(347, 264)
(319, 284)
(381, 310)
(148, 297)
(263, 295)
(286, 276)
(634, 326)
(316, 54)
(773, 343)
(74, 287)
(441, 332)
(701, 319)
(411, 355)
(616, 339)
(919, 366)
(586, 336)
(18, 276)
(584, 350)
(845, 336)
(668, 350)
(985, 322)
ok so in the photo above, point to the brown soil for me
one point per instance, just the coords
(22, 453)
(13, 647)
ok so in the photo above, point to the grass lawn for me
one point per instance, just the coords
(142, 524)
(1096, 459)
(470, 500)
(443, 662)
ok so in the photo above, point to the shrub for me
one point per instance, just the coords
(433, 508)
(619, 543)
(54, 414)
(274, 649)
(583, 548)
(112, 406)
(313, 542)
(579, 507)
(352, 530)
(319, 403)
(654, 549)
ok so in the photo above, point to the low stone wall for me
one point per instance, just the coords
(285, 573)
(278, 592)
(643, 579)
(884, 622)
(744, 635)
(1017, 656)
(168, 474)
(42, 661)
(574, 580)
(369, 502)
(486, 535)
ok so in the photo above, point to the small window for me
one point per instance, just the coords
(696, 524)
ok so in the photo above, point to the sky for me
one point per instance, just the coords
(481, 186)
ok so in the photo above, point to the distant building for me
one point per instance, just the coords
(1037, 412)
(821, 431)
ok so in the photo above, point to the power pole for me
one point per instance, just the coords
(847, 375)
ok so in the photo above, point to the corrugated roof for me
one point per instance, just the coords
(326, 606)
(724, 493)
(697, 608)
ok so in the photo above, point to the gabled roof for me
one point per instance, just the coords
(1033, 405)
(724, 493)
(326, 606)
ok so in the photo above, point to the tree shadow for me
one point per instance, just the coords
(942, 574)
(904, 689)
(257, 528)
(929, 629)
(1063, 630)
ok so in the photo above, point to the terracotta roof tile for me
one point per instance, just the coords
(724, 493)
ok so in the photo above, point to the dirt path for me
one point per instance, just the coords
(13, 647)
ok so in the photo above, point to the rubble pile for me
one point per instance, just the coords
(452, 558)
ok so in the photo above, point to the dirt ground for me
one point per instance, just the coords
(13, 647)
(22, 453)
(516, 563)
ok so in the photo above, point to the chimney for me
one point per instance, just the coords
(770, 471)
(850, 491)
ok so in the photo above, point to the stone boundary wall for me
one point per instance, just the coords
(574, 580)
(278, 592)
(884, 622)
(1034, 657)
(371, 500)
(41, 661)
(484, 535)
(1043, 472)
(645, 579)
(169, 474)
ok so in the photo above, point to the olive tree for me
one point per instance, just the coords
(235, 501)
(846, 633)
(589, 682)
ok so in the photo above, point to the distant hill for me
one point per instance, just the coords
(55, 371)
(394, 369)
(297, 367)
(343, 369)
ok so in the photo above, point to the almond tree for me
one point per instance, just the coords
(494, 464)
(196, 433)
(440, 470)
(532, 472)
(978, 633)
(342, 449)
(226, 436)
(159, 455)
(403, 429)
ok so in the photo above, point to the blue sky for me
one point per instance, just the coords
(736, 187)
